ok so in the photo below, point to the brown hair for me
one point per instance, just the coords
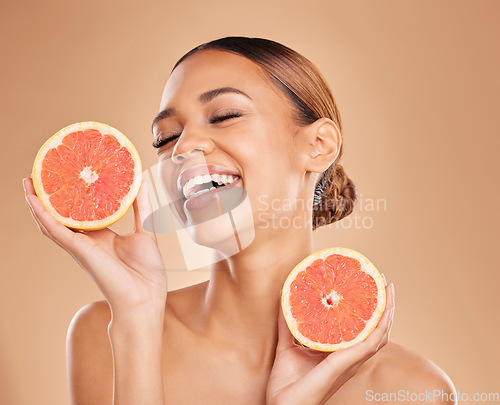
(311, 99)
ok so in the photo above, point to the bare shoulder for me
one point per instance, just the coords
(88, 355)
(397, 369)
(88, 349)
(89, 326)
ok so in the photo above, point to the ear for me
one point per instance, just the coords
(323, 145)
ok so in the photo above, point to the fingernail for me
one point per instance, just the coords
(385, 281)
(24, 187)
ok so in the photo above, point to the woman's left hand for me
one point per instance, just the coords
(304, 376)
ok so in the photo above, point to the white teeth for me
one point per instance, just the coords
(187, 190)
(201, 192)
(198, 193)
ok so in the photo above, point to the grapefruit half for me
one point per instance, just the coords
(87, 175)
(333, 299)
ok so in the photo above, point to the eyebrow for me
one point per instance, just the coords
(162, 115)
(211, 94)
(204, 98)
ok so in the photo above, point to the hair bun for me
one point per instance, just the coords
(334, 197)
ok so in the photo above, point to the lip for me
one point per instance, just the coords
(216, 201)
(200, 170)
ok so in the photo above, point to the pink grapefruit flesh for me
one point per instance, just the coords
(87, 175)
(333, 299)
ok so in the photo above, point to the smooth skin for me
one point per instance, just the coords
(223, 341)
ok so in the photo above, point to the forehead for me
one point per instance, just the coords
(210, 69)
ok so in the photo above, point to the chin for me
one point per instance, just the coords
(229, 233)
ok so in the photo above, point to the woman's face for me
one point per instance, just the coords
(222, 117)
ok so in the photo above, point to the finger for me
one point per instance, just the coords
(393, 307)
(84, 247)
(43, 229)
(28, 186)
(371, 344)
(53, 229)
(143, 210)
(103, 237)
(332, 372)
(29, 190)
(366, 349)
(346, 362)
(337, 363)
(385, 281)
(385, 339)
(389, 294)
(39, 224)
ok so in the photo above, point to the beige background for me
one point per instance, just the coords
(418, 88)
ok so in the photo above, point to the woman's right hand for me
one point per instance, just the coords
(127, 269)
(305, 376)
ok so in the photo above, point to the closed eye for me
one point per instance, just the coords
(213, 120)
(219, 118)
(161, 142)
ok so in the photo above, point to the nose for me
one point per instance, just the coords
(190, 145)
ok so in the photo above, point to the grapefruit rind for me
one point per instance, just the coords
(56, 140)
(366, 266)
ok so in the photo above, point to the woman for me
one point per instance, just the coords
(261, 112)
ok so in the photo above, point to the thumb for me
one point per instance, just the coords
(143, 210)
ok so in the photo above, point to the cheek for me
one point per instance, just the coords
(278, 159)
(267, 142)
(270, 170)
(166, 176)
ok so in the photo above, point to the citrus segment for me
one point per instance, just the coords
(87, 175)
(333, 299)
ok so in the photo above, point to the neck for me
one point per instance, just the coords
(244, 292)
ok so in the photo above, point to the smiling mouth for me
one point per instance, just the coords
(202, 184)
(207, 191)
